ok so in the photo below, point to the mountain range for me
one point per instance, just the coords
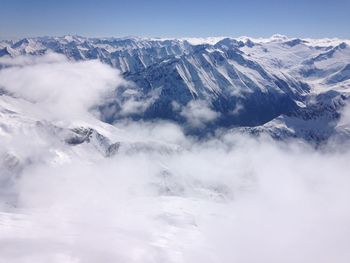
(284, 87)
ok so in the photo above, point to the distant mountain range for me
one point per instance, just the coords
(284, 87)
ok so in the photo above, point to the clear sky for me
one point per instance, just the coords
(170, 18)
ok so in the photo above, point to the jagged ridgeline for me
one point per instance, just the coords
(285, 87)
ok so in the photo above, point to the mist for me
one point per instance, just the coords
(61, 89)
(164, 196)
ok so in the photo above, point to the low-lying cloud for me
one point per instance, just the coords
(61, 89)
(224, 199)
(198, 113)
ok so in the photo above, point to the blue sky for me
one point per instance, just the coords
(298, 18)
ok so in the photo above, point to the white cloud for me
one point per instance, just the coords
(61, 89)
(134, 103)
(224, 198)
(198, 113)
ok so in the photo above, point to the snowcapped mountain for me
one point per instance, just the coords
(282, 86)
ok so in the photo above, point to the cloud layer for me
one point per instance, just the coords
(230, 199)
(60, 88)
